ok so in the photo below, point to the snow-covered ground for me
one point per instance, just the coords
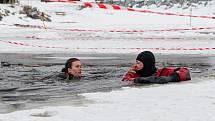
(78, 29)
(172, 102)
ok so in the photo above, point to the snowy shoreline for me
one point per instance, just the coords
(181, 101)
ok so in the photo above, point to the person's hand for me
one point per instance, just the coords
(133, 69)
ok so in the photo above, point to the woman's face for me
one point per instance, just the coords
(75, 69)
(138, 65)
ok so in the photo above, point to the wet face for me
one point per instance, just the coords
(138, 65)
(75, 69)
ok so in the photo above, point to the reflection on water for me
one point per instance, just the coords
(28, 81)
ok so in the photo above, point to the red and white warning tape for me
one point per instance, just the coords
(59, 1)
(133, 31)
(117, 7)
(155, 49)
(29, 45)
(171, 14)
(99, 30)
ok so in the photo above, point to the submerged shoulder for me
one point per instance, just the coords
(62, 76)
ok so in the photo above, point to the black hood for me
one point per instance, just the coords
(148, 59)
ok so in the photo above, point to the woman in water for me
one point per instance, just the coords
(72, 70)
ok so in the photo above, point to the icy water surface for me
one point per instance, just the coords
(29, 80)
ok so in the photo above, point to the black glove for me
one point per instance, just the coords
(173, 77)
(142, 80)
(151, 79)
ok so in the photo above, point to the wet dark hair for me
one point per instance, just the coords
(148, 59)
(68, 64)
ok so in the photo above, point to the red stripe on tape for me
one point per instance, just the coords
(130, 9)
(116, 7)
(102, 6)
(88, 5)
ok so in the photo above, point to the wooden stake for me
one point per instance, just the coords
(191, 16)
(42, 18)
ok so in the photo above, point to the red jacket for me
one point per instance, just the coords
(130, 75)
(182, 72)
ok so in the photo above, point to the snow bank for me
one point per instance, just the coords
(179, 102)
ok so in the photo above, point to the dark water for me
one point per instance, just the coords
(29, 80)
